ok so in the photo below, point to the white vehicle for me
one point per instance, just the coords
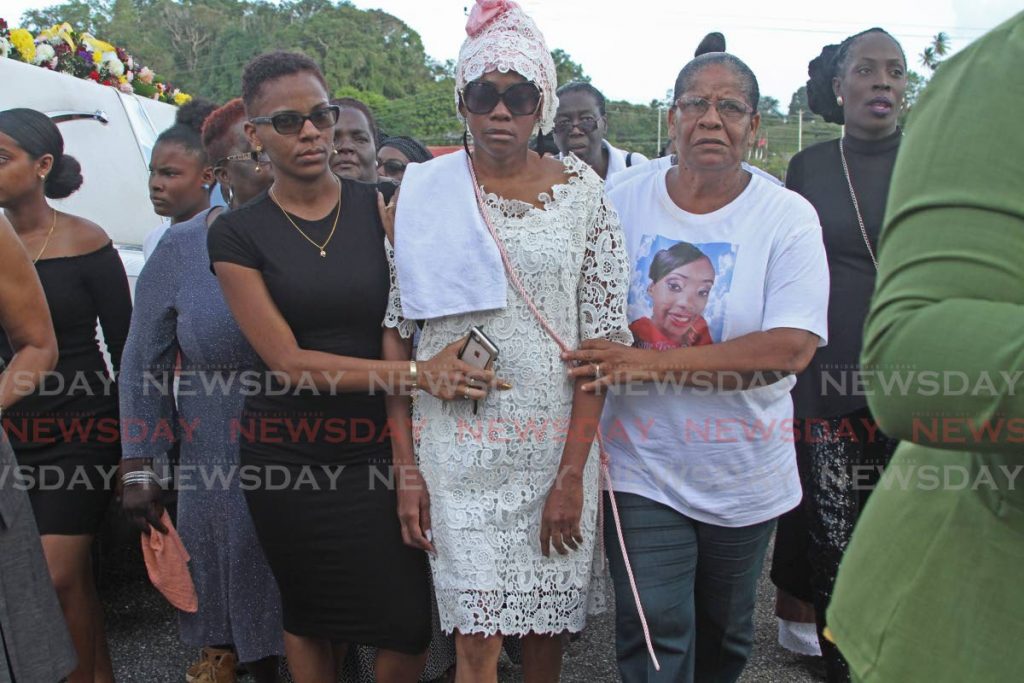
(112, 135)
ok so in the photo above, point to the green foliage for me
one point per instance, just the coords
(798, 103)
(769, 107)
(566, 69)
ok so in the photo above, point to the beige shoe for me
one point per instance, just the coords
(214, 666)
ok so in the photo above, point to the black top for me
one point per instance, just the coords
(334, 304)
(829, 387)
(79, 290)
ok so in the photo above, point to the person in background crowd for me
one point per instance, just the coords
(180, 177)
(699, 487)
(70, 423)
(929, 587)
(580, 129)
(396, 153)
(34, 642)
(180, 312)
(510, 522)
(305, 271)
(860, 84)
(355, 141)
(192, 114)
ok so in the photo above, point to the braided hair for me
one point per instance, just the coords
(821, 99)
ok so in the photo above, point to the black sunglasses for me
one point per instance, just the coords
(481, 97)
(291, 122)
(391, 167)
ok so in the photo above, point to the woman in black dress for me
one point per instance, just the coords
(306, 274)
(859, 83)
(66, 432)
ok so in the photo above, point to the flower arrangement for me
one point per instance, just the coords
(61, 48)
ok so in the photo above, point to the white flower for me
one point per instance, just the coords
(5, 48)
(44, 54)
(113, 64)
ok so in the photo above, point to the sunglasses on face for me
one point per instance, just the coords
(729, 110)
(481, 97)
(291, 122)
(260, 158)
(586, 124)
(391, 167)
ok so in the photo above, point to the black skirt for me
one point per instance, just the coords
(333, 541)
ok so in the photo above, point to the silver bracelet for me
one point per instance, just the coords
(140, 477)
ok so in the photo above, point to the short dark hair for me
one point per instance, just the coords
(184, 136)
(698, 64)
(353, 103)
(584, 87)
(38, 135)
(194, 112)
(273, 65)
(217, 129)
(676, 256)
(821, 99)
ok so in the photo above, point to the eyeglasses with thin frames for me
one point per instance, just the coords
(260, 158)
(728, 110)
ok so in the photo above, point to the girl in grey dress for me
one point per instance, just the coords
(180, 313)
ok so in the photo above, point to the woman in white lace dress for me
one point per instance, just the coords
(507, 504)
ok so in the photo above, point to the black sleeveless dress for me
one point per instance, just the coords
(316, 467)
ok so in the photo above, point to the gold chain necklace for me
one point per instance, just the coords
(46, 242)
(856, 205)
(321, 247)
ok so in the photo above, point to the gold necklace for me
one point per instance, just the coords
(337, 214)
(46, 242)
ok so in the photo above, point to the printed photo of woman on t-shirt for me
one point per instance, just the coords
(682, 277)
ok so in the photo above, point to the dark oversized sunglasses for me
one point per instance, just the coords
(521, 99)
(291, 122)
(391, 167)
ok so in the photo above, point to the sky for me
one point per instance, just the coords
(632, 50)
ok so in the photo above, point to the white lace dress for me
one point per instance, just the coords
(489, 474)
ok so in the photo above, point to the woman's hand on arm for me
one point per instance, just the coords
(142, 502)
(752, 360)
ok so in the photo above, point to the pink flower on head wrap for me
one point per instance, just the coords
(484, 11)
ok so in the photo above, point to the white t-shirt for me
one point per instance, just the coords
(720, 457)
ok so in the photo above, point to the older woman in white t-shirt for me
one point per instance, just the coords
(701, 444)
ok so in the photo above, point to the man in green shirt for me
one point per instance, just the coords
(930, 588)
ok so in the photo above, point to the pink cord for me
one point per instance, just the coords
(517, 283)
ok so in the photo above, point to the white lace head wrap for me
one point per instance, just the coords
(503, 38)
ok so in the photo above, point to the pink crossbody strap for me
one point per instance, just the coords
(518, 285)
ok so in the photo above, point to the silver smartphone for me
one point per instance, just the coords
(479, 351)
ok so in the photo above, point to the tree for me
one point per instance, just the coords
(934, 53)
(769, 107)
(566, 69)
(798, 103)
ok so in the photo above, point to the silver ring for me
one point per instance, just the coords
(465, 393)
(597, 369)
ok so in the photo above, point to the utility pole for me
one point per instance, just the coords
(800, 130)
